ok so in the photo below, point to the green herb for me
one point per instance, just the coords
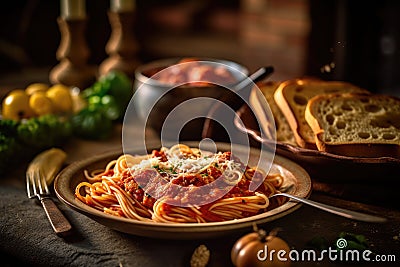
(354, 241)
(172, 170)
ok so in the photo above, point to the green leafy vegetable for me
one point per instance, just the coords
(354, 241)
(45, 131)
(110, 94)
(89, 123)
(9, 144)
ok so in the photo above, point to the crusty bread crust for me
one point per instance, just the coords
(356, 125)
(364, 150)
(292, 97)
(283, 130)
(290, 114)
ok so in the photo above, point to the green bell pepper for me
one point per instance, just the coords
(113, 90)
(91, 123)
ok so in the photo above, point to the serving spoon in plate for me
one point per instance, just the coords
(355, 215)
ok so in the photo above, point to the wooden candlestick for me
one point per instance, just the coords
(73, 53)
(122, 46)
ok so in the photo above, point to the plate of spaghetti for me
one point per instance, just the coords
(181, 189)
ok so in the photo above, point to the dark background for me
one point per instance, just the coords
(364, 41)
(297, 37)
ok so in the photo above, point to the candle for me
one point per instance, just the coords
(73, 9)
(122, 5)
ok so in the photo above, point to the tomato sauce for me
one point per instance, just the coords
(196, 73)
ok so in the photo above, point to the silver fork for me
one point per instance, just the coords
(355, 215)
(36, 186)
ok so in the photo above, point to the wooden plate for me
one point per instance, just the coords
(69, 177)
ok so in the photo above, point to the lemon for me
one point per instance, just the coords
(61, 97)
(48, 163)
(36, 87)
(40, 103)
(15, 105)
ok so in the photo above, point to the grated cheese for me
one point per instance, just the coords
(177, 164)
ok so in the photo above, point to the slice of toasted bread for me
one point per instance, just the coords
(292, 97)
(283, 131)
(355, 124)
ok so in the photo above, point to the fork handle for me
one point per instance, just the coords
(58, 221)
(336, 210)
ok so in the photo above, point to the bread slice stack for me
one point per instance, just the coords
(335, 117)
(292, 97)
(283, 131)
(356, 125)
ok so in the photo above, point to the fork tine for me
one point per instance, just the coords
(38, 178)
(44, 189)
(34, 185)
(28, 185)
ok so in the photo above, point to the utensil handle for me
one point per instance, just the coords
(58, 221)
(338, 211)
(242, 91)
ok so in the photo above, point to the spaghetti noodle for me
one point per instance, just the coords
(144, 188)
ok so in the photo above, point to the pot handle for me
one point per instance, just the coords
(242, 91)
